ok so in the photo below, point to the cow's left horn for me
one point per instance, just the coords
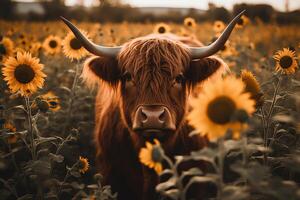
(90, 46)
(202, 52)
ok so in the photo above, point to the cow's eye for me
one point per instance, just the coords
(127, 76)
(179, 79)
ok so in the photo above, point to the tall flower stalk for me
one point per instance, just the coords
(72, 96)
(30, 128)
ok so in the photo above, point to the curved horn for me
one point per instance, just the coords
(90, 46)
(201, 52)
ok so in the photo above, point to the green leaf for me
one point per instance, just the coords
(173, 193)
(26, 197)
(191, 172)
(232, 145)
(166, 172)
(166, 185)
(230, 192)
(41, 167)
(283, 118)
(56, 158)
(75, 173)
(255, 173)
(44, 139)
(77, 186)
(206, 154)
(93, 186)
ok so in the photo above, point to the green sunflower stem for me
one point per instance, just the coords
(268, 120)
(30, 127)
(173, 167)
(245, 154)
(220, 167)
(68, 174)
(72, 97)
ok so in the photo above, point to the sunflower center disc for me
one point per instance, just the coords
(189, 24)
(2, 49)
(286, 62)
(53, 44)
(156, 154)
(240, 22)
(75, 44)
(161, 30)
(24, 73)
(221, 109)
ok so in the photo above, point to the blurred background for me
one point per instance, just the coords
(267, 11)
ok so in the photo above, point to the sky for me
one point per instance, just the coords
(200, 4)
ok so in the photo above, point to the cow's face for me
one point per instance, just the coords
(153, 78)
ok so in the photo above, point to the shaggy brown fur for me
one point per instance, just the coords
(154, 64)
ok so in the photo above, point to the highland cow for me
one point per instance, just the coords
(144, 87)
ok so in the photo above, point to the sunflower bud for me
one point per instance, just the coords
(157, 154)
(98, 177)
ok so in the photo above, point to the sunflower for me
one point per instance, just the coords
(161, 28)
(218, 26)
(35, 48)
(23, 74)
(152, 156)
(6, 48)
(228, 49)
(12, 138)
(189, 22)
(252, 86)
(52, 45)
(243, 21)
(52, 100)
(221, 106)
(83, 164)
(73, 48)
(286, 61)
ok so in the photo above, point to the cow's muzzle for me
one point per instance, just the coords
(153, 119)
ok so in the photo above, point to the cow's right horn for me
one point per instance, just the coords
(90, 46)
(202, 52)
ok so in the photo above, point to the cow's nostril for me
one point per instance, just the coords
(162, 116)
(143, 116)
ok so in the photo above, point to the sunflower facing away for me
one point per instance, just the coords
(48, 101)
(52, 45)
(189, 22)
(161, 28)
(73, 48)
(243, 21)
(52, 100)
(83, 164)
(35, 48)
(285, 61)
(6, 48)
(220, 107)
(252, 86)
(23, 74)
(218, 26)
(151, 156)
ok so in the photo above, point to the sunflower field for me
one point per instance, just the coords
(251, 116)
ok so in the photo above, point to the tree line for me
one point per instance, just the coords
(109, 11)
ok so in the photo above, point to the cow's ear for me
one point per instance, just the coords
(101, 68)
(201, 69)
